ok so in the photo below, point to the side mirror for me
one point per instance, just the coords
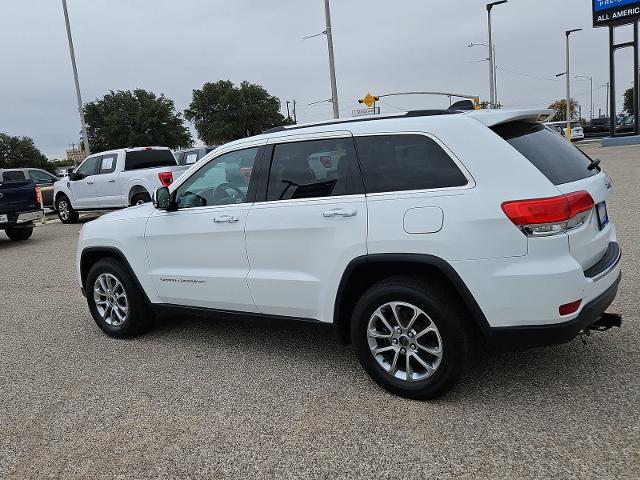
(164, 200)
(73, 176)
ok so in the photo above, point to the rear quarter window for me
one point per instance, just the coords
(149, 159)
(14, 176)
(549, 152)
(393, 163)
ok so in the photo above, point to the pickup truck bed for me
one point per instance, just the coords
(19, 208)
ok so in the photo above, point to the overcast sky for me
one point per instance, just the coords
(382, 46)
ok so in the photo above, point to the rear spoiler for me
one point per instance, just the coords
(491, 118)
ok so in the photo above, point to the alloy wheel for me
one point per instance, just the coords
(63, 208)
(404, 341)
(111, 300)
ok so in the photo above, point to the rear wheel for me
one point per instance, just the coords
(66, 213)
(140, 198)
(115, 301)
(19, 234)
(410, 337)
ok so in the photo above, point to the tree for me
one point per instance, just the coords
(628, 101)
(560, 108)
(20, 152)
(222, 112)
(134, 118)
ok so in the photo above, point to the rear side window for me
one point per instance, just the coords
(149, 159)
(392, 163)
(13, 176)
(313, 169)
(550, 153)
(108, 164)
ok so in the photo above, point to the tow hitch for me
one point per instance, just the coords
(604, 323)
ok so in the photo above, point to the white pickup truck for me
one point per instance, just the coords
(115, 179)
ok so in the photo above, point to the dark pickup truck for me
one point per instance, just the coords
(19, 208)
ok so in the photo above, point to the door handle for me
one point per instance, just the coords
(339, 212)
(113, 180)
(89, 182)
(226, 219)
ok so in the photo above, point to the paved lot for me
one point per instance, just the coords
(215, 399)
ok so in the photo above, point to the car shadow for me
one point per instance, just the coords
(7, 244)
(536, 373)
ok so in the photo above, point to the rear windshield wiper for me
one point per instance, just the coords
(594, 164)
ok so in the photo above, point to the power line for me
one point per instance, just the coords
(528, 75)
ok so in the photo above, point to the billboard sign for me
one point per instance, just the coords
(615, 12)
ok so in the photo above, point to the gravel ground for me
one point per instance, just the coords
(216, 399)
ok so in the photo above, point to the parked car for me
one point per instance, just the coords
(420, 240)
(598, 125)
(190, 156)
(41, 178)
(19, 207)
(577, 132)
(115, 179)
(627, 126)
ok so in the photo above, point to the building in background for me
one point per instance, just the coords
(76, 155)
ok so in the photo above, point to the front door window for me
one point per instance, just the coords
(223, 181)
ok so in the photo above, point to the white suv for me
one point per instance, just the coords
(413, 239)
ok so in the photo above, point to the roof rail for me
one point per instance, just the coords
(409, 114)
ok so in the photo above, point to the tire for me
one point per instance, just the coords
(140, 198)
(137, 314)
(66, 213)
(19, 234)
(448, 345)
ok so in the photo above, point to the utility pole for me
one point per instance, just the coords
(606, 107)
(568, 74)
(295, 119)
(332, 66)
(492, 69)
(591, 106)
(85, 138)
(288, 115)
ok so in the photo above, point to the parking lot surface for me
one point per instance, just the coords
(212, 399)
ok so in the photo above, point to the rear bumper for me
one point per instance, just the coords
(21, 219)
(529, 336)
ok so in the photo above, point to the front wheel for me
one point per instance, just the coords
(19, 234)
(409, 335)
(66, 213)
(116, 303)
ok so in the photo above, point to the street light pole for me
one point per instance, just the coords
(568, 74)
(85, 138)
(591, 106)
(492, 70)
(495, 68)
(332, 65)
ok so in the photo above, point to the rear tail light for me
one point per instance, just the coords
(166, 178)
(569, 308)
(549, 216)
(39, 197)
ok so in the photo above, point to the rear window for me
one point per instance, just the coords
(550, 153)
(13, 176)
(149, 159)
